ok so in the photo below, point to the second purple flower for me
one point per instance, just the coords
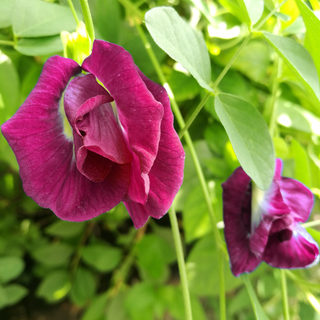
(265, 225)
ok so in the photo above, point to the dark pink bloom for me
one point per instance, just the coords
(124, 145)
(265, 225)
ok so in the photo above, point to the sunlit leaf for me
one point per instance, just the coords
(249, 137)
(6, 9)
(298, 60)
(35, 18)
(181, 42)
(39, 46)
(54, 286)
(253, 8)
(301, 171)
(312, 39)
(293, 116)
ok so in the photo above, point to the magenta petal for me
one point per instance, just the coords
(282, 223)
(237, 217)
(298, 198)
(140, 113)
(299, 251)
(259, 239)
(79, 90)
(166, 174)
(273, 203)
(45, 155)
(139, 187)
(102, 134)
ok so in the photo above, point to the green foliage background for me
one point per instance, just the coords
(105, 269)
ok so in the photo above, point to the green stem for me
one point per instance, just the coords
(133, 8)
(311, 224)
(187, 137)
(194, 114)
(258, 310)
(73, 11)
(225, 70)
(181, 263)
(214, 86)
(223, 313)
(87, 18)
(271, 13)
(7, 43)
(284, 295)
(274, 96)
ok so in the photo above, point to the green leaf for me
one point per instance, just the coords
(301, 168)
(140, 302)
(258, 310)
(6, 9)
(15, 293)
(3, 297)
(96, 309)
(184, 87)
(181, 42)
(293, 116)
(39, 46)
(10, 268)
(202, 6)
(9, 103)
(191, 179)
(312, 39)
(299, 60)
(83, 288)
(65, 229)
(172, 298)
(9, 88)
(196, 221)
(115, 310)
(249, 137)
(53, 255)
(202, 269)
(35, 18)
(101, 257)
(153, 255)
(237, 10)
(54, 286)
(253, 61)
(253, 8)
(239, 302)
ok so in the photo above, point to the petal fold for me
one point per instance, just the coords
(299, 251)
(166, 174)
(297, 197)
(140, 114)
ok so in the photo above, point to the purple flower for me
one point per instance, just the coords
(264, 225)
(124, 145)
